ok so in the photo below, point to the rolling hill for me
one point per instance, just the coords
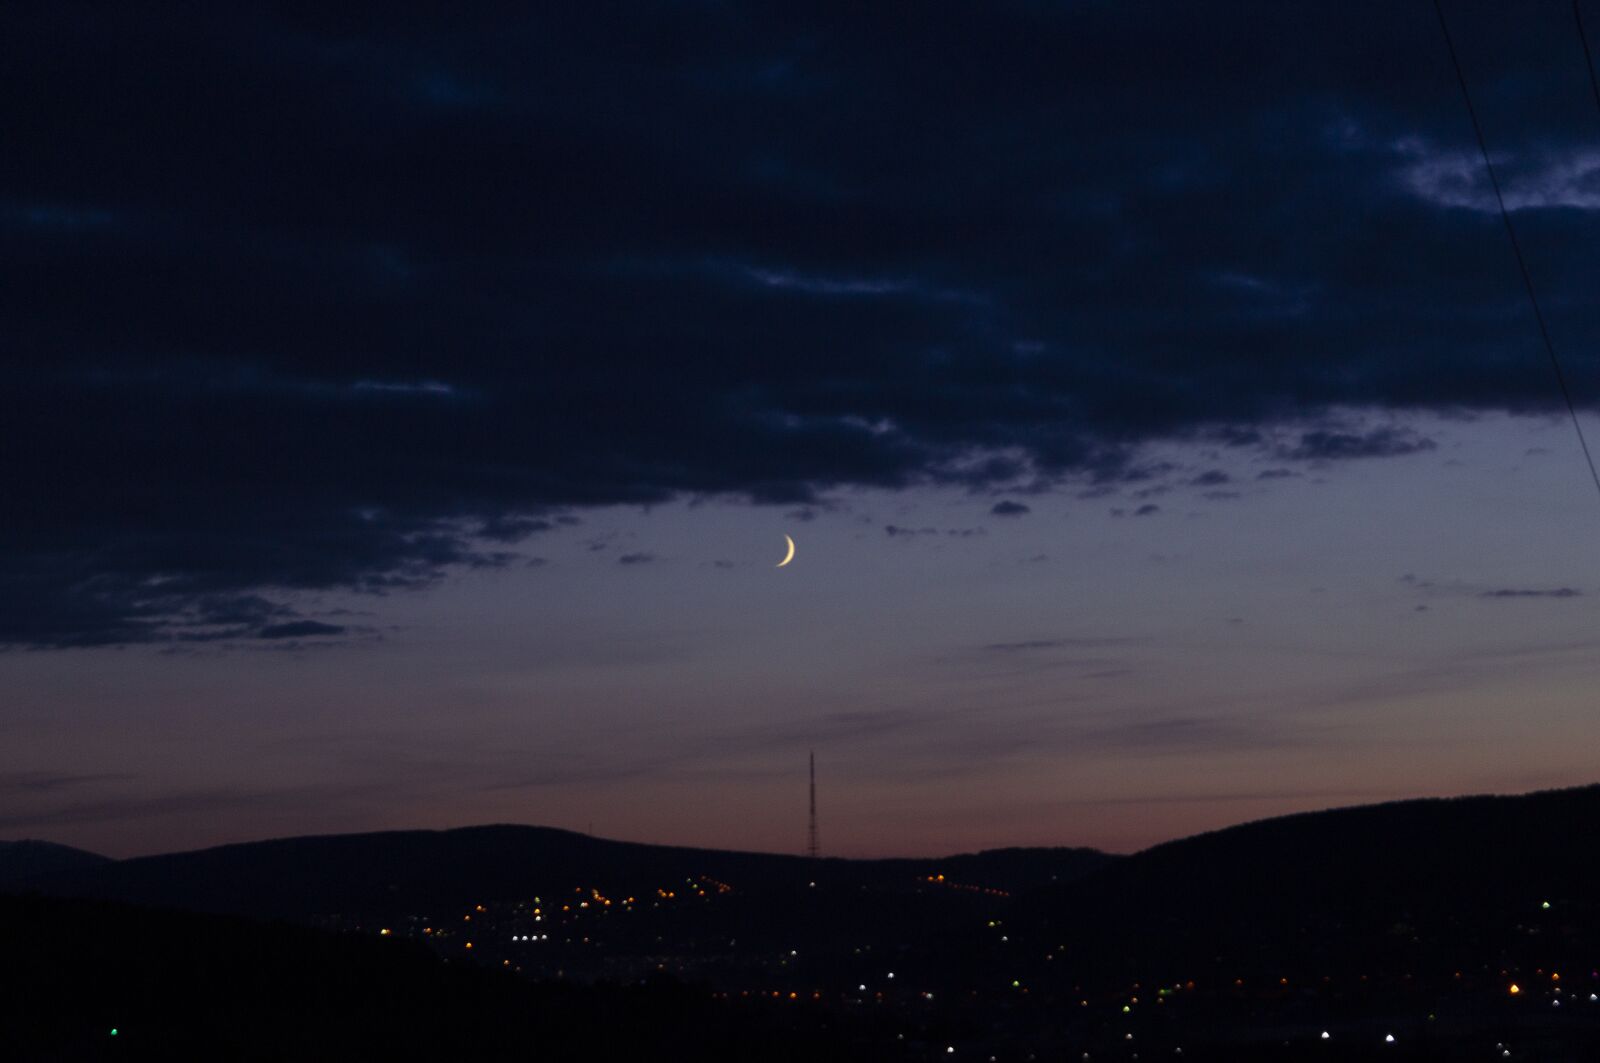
(409, 871)
(29, 859)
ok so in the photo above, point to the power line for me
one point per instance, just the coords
(1511, 233)
(1588, 58)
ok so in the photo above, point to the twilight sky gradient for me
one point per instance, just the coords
(404, 412)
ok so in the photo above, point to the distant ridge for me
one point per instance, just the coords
(411, 871)
(29, 858)
(1263, 889)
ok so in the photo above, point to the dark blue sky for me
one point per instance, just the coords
(474, 361)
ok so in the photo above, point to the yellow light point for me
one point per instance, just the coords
(1515, 989)
(469, 944)
(384, 932)
(1554, 977)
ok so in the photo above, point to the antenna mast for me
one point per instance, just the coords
(813, 850)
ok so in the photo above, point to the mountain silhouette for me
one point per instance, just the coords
(28, 859)
(1392, 931)
(396, 872)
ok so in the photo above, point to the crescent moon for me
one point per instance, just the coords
(789, 556)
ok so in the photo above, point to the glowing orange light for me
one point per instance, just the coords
(1515, 989)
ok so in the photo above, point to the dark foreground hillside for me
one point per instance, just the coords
(1452, 930)
(1461, 883)
(86, 980)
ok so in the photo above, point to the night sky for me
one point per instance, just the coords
(403, 411)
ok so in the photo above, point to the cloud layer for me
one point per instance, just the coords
(303, 301)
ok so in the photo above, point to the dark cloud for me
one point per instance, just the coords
(1559, 592)
(131, 807)
(40, 782)
(296, 302)
(1328, 445)
(1055, 644)
(1008, 508)
(507, 528)
(299, 629)
(636, 559)
(1147, 509)
(1276, 474)
(1035, 644)
(1180, 733)
(1212, 478)
(896, 531)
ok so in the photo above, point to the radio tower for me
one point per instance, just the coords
(813, 850)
